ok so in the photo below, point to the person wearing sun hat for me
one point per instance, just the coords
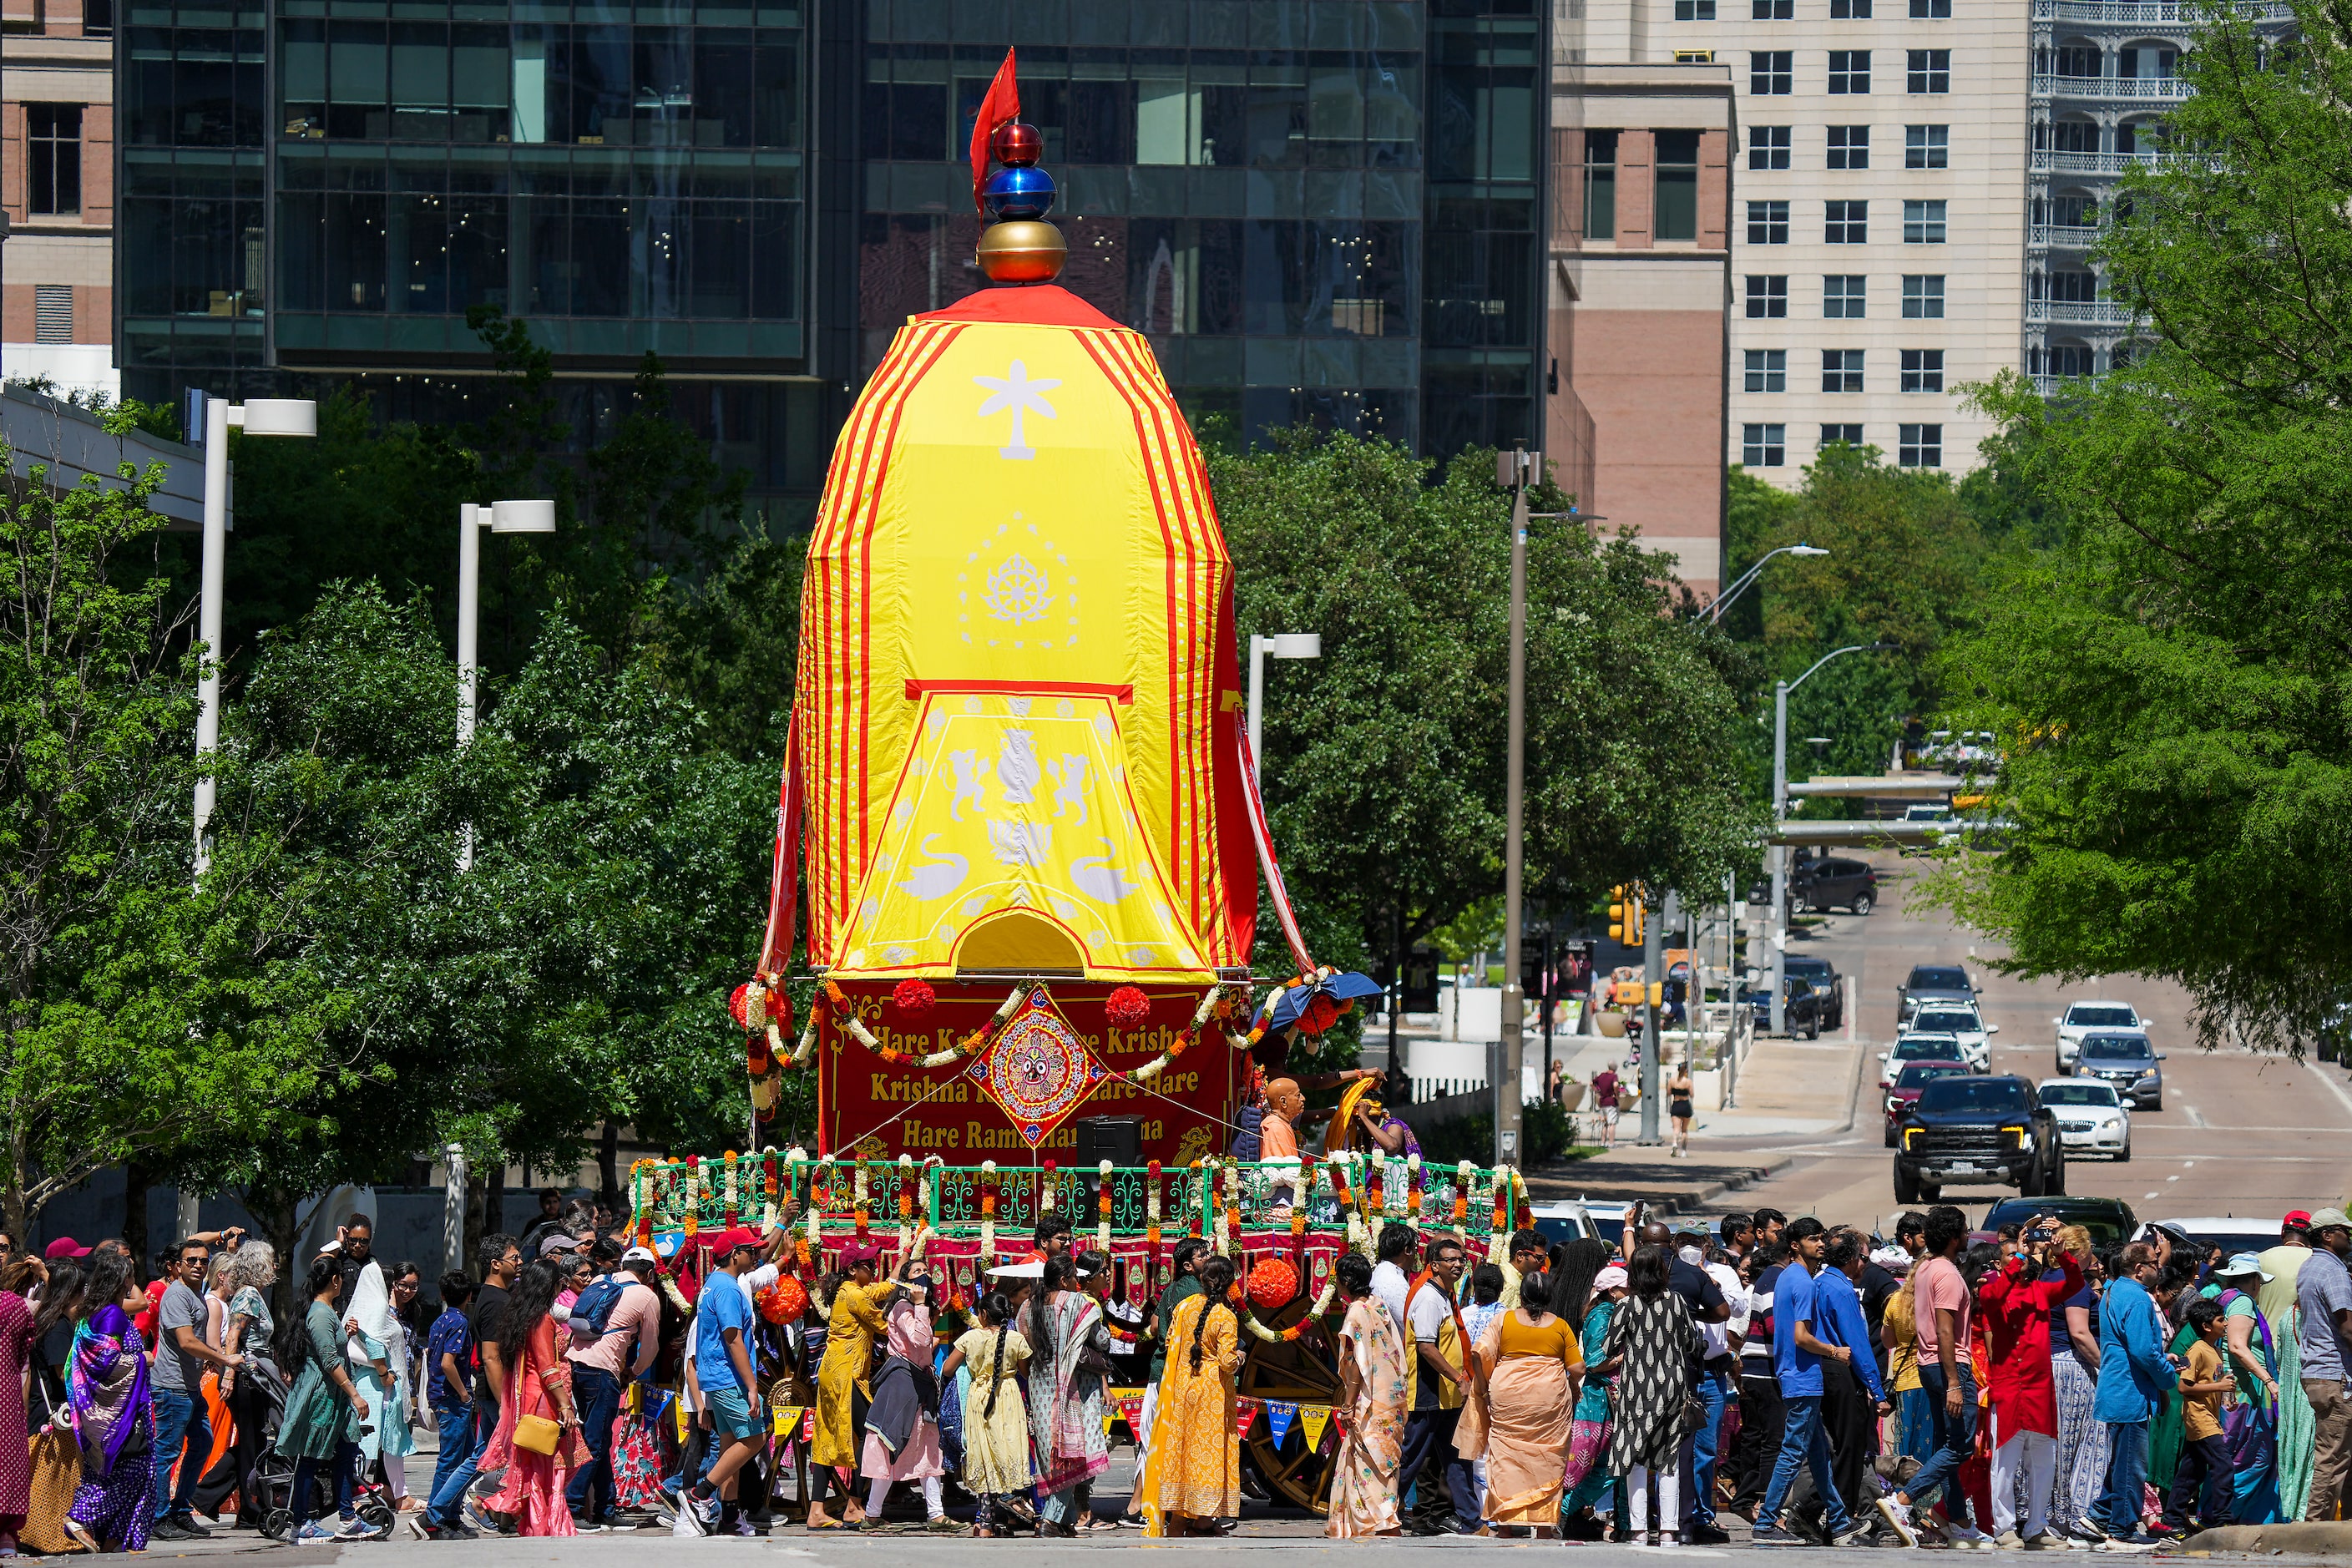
(2251, 1350)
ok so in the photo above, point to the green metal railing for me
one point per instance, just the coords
(954, 1200)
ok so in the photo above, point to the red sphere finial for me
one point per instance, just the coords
(1017, 144)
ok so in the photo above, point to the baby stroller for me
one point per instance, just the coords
(273, 1481)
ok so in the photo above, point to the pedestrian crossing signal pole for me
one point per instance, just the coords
(1653, 980)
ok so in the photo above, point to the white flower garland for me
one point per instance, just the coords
(1413, 1195)
(1102, 1225)
(1218, 1237)
(987, 1221)
(727, 1187)
(906, 1174)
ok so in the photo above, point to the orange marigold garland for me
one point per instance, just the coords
(1152, 1225)
(1299, 1202)
(858, 1190)
(1461, 1194)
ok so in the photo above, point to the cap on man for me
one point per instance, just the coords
(2281, 1263)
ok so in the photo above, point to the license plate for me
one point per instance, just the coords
(1969, 1170)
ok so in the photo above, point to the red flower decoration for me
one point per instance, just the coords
(1126, 1008)
(913, 998)
(738, 1003)
(780, 1007)
(784, 1302)
(1273, 1284)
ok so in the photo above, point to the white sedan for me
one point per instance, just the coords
(2092, 1118)
(1964, 1024)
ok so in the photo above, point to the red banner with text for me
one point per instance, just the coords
(890, 1108)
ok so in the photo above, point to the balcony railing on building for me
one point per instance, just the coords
(2047, 162)
(2145, 13)
(2161, 89)
(2061, 236)
(2078, 312)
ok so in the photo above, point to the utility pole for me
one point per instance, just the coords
(1653, 976)
(1514, 469)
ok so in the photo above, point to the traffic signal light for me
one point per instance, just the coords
(1625, 914)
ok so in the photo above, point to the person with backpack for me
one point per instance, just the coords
(615, 1334)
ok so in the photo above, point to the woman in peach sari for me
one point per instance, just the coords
(1372, 1392)
(1532, 1362)
(539, 1383)
(1195, 1465)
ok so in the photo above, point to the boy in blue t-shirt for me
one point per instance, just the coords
(448, 1374)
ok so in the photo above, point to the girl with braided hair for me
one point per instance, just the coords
(1195, 1451)
(995, 1418)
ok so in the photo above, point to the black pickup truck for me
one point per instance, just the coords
(1978, 1129)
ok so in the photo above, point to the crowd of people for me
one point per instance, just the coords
(1934, 1388)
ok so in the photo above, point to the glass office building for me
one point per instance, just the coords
(1319, 209)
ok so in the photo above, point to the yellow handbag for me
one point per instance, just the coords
(539, 1434)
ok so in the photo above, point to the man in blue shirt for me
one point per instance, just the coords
(448, 1360)
(2135, 1377)
(1851, 1395)
(730, 1399)
(1798, 1353)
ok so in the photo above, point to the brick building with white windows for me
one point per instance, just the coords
(57, 182)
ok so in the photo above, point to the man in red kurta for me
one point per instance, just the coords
(2016, 1303)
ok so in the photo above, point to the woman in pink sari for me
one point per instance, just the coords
(539, 1383)
(1371, 1391)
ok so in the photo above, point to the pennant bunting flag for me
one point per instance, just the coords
(1315, 1418)
(788, 1418)
(808, 1427)
(1279, 1414)
(1132, 1411)
(1244, 1416)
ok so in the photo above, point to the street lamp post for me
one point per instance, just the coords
(499, 517)
(255, 416)
(1722, 600)
(1779, 804)
(1516, 469)
(1283, 645)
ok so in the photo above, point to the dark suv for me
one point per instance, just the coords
(1822, 977)
(1836, 880)
(1807, 1008)
(1929, 982)
(1979, 1130)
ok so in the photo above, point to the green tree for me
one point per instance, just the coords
(2172, 682)
(1384, 765)
(143, 1020)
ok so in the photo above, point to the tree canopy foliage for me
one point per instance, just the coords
(2172, 682)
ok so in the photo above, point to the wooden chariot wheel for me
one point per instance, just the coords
(1305, 1372)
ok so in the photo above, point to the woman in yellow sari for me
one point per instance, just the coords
(1371, 1391)
(1195, 1452)
(1532, 1363)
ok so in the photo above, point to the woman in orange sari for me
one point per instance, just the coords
(1372, 1392)
(1195, 1452)
(1532, 1363)
(539, 1383)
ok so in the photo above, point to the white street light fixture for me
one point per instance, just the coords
(255, 416)
(1723, 601)
(1284, 644)
(499, 517)
(1779, 852)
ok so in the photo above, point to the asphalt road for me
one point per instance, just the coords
(2240, 1135)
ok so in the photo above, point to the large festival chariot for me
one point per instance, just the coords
(1018, 795)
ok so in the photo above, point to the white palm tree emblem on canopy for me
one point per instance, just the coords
(1016, 392)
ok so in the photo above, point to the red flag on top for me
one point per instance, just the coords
(1003, 104)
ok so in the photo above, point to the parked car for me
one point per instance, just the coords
(1932, 982)
(1825, 979)
(1909, 1080)
(2091, 1117)
(1909, 1048)
(2127, 1061)
(1580, 1219)
(1826, 883)
(2084, 1016)
(1978, 1129)
(1964, 1024)
(2109, 1220)
(1805, 1010)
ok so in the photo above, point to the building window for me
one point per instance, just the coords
(1767, 369)
(53, 312)
(1767, 223)
(1849, 146)
(1849, 10)
(1768, 297)
(1771, 10)
(1833, 435)
(2072, 286)
(1694, 56)
(1767, 146)
(1927, 146)
(2061, 359)
(1849, 71)
(1841, 370)
(1677, 166)
(2150, 64)
(1920, 446)
(1842, 296)
(1771, 73)
(1923, 296)
(1931, 10)
(97, 18)
(53, 154)
(1930, 71)
(1764, 446)
(1693, 10)
(1848, 223)
(1923, 370)
(1923, 223)
(1600, 185)
(2078, 60)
